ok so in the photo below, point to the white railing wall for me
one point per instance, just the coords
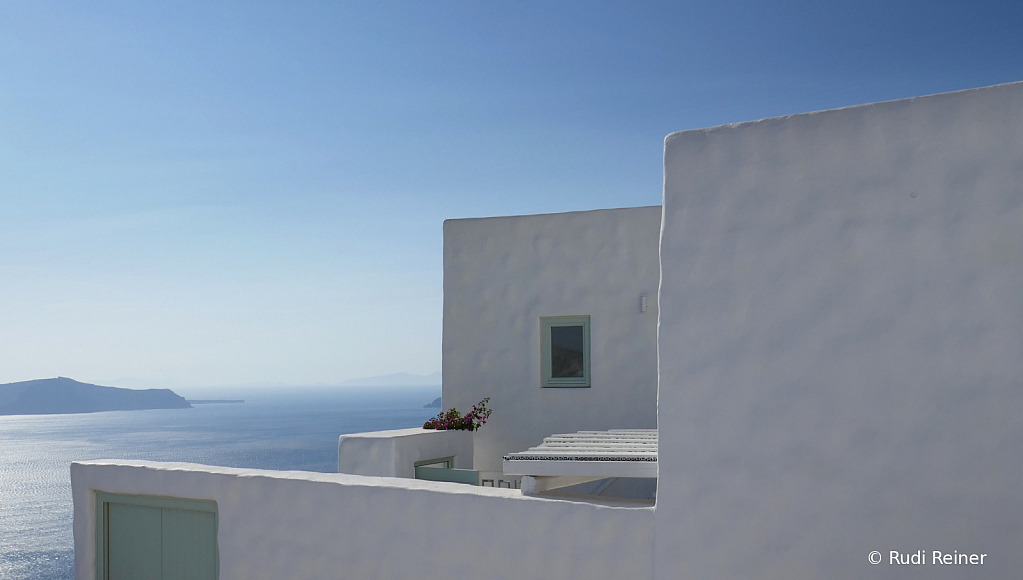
(302, 525)
(394, 453)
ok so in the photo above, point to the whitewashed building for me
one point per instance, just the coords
(823, 323)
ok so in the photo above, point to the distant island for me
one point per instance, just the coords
(63, 395)
(435, 403)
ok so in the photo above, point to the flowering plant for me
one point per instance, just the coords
(452, 419)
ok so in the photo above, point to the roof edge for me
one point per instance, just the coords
(678, 134)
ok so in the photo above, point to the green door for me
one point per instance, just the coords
(155, 538)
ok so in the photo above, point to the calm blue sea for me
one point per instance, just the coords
(285, 429)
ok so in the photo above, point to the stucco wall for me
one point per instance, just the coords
(841, 342)
(301, 525)
(502, 274)
(394, 453)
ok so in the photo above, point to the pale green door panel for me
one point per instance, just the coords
(134, 539)
(189, 545)
(155, 538)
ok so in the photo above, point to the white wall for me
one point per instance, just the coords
(841, 342)
(302, 525)
(502, 274)
(394, 453)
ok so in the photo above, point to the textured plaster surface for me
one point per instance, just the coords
(301, 525)
(502, 274)
(394, 453)
(841, 342)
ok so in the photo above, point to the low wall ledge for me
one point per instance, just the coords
(90, 473)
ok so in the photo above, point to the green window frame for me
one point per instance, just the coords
(175, 505)
(547, 380)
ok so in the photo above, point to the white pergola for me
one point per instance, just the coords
(572, 458)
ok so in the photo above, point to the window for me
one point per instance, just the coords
(565, 351)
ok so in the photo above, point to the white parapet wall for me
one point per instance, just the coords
(841, 343)
(394, 453)
(302, 525)
(501, 275)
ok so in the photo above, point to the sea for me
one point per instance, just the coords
(275, 428)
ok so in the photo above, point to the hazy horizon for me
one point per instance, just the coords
(399, 379)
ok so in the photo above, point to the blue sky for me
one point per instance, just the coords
(221, 193)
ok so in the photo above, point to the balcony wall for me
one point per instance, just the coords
(302, 525)
(394, 453)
